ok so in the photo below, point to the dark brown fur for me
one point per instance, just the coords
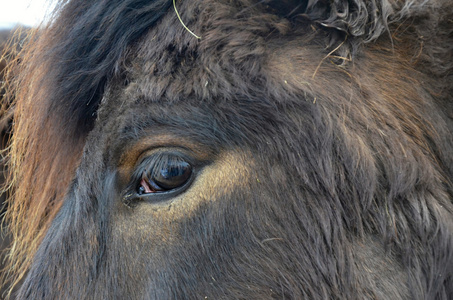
(320, 132)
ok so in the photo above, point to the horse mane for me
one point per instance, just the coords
(56, 89)
(10, 45)
(59, 78)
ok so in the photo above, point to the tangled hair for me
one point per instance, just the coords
(11, 42)
(59, 83)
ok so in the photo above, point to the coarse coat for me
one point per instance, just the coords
(319, 135)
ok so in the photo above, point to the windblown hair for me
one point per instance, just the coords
(57, 90)
(10, 44)
(59, 84)
(11, 41)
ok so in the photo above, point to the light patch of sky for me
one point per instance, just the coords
(22, 12)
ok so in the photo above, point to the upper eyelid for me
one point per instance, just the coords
(153, 162)
(131, 153)
(176, 151)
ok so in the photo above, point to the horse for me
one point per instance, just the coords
(10, 41)
(4, 239)
(234, 149)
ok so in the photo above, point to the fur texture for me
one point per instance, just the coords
(320, 135)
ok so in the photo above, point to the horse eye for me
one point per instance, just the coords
(166, 173)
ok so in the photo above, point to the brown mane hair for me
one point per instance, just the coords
(49, 168)
(60, 64)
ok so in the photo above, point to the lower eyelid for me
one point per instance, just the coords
(146, 187)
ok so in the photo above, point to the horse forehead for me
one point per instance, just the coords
(228, 52)
(230, 60)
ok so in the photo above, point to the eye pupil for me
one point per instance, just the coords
(174, 175)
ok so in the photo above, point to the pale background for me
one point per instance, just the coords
(22, 12)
